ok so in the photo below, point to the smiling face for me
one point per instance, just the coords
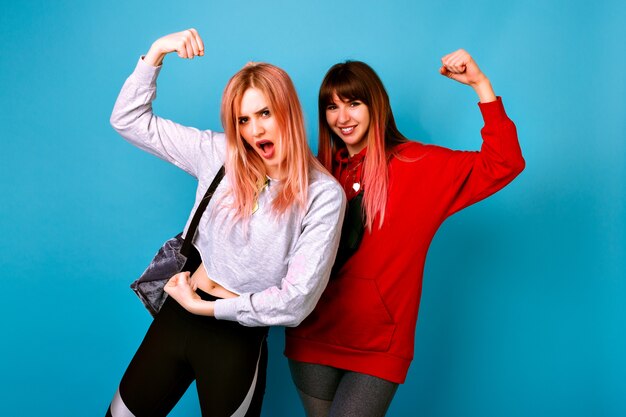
(350, 121)
(259, 128)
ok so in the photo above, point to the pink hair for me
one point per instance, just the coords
(244, 166)
(355, 80)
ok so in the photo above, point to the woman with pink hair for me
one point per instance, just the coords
(348, 356)
(264, 246)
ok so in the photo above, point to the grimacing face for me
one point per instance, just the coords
(260, 130)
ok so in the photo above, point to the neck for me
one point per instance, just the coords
(354, 149)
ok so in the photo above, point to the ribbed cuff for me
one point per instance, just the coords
(146, 73)
(493, 110)
(226, 309)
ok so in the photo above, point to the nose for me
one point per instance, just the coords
(343, 116)
(257, 128)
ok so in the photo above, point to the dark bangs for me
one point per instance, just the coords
(342, 80)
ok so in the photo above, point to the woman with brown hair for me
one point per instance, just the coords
(348, 357)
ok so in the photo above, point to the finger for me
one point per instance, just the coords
(196, 42)
(444, 71)
(181, 277)
(190, 44)
(450, 66)
(173, 282)
(170, 286)
(189, 48)
(453, 69)
(181, 48)
(184, 279)
(184, 48)
(461, 58)
(456, 61)
(194, 47)
(200, 44)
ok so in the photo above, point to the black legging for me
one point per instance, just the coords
(227, 360)
(330, 392)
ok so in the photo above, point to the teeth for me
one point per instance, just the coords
(347, 130)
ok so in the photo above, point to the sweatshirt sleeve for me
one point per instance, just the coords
(474, 176)
(307, 274)
(132, 117)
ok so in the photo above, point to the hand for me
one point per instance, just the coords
(187, 44)
(461, 67)
(180, 288)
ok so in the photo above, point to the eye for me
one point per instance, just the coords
(265, 113)
(331, 107)
(355, 103)
(243, 120)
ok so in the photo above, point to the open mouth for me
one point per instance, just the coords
(266, 148)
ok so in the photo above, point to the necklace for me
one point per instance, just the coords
(352, 181)
(261, 186)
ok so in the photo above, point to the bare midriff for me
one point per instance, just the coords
(209, 286)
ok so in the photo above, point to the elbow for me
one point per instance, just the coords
(116, 121)
(518, 165)
(296, 317)
(292, 324)
(294, 320)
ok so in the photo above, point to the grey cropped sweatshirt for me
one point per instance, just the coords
(279, 266)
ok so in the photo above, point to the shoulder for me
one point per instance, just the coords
(322, 180)
(414, 158)
(324, 189)
(416, 151)
(212, 138)
(212, 151)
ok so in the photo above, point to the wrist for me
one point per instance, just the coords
(155, 55)
(203, 308)
(483, 89)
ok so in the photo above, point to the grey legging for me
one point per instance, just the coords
(330, 392)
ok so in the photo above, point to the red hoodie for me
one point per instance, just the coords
(365, 320)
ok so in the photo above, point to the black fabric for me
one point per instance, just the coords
(193, 260)
(180, 347)
(351, 232)
(193, 225)
(326, 391)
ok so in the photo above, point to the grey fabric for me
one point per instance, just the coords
(326, 391)
(278, 266)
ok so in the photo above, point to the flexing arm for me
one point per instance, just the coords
(473, 176)
(133, 117)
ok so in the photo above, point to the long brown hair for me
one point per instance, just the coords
(355, 80)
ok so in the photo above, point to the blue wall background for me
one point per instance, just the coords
(523, 306)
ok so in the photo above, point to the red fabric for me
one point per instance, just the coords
(365, 320)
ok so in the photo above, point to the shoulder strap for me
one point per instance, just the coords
(184, 250)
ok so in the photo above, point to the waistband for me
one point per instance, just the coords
(206, 296)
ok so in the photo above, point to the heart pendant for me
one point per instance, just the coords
(356, 187)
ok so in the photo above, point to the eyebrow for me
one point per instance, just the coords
(258, 112)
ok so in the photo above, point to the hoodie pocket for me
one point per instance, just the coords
(357, 315)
